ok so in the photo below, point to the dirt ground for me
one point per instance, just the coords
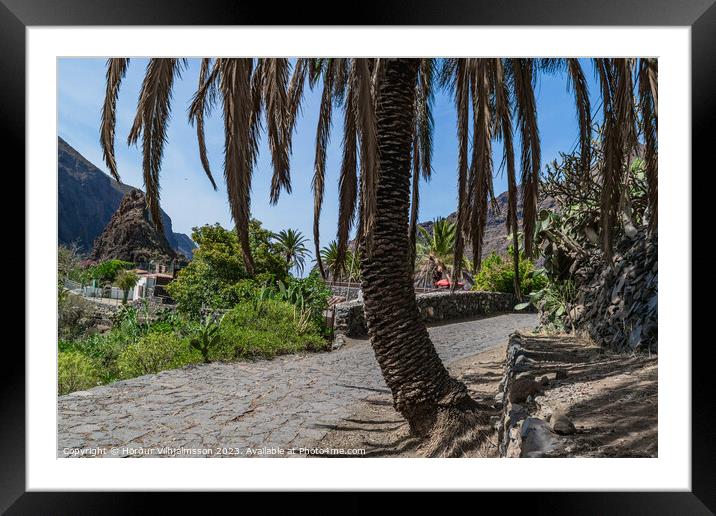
(376, 427)
(610, 398)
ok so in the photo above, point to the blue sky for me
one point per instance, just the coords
(186, 194)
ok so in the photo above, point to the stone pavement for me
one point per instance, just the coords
(223, 409)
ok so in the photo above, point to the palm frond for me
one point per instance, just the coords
(462, 94)
(235, 87)
(295, 92)
(424, 114)
(578, 83)
(200, 105)
(150, 122)
(378, 73)
(116, 70)
(323, 131)
(648, 106)
(341, 73)
(449, 73)
(619, 139)
(316, 68)
(274, 85)
(348, 180)
(364, 111)
(256, 106)
(504, 132)
(530, 151)
(481, 166)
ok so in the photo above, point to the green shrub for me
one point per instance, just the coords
(497, 274)
(553, 301)
(126, 280)
(265, 329)
(107, 271)
(309, 294)
(103, 349)
(75, 372)
(217, 278)
(72, 315)
(153, 353)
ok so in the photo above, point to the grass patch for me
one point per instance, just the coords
(265, 329)
(252, 329)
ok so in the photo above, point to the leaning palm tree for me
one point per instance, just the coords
(386, 131)
(292, 246)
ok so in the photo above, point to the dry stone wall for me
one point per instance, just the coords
(349, 320)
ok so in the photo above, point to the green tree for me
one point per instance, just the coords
(292, 245)
(217, 276)
(68, 260)
(126, 280)
(106, 272)
(346, 268)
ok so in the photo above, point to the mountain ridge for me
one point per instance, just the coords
(88, 198)
(131, 236)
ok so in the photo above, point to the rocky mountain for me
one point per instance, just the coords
(496, 233)
(87, 199)
(131, 236)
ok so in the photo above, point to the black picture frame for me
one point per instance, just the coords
(700, 15)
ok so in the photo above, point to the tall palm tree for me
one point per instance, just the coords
(292, 245)
(386, 142)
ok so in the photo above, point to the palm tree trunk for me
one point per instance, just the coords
(420, 384)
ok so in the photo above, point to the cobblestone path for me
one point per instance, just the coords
(222, 409)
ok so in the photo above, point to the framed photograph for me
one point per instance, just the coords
(414, 252)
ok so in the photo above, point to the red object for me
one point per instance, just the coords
(446, 283)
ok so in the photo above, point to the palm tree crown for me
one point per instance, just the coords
(495, 96)
(346, 269)
(435, 249)
(292, 246)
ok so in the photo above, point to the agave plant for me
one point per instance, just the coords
(208, 337)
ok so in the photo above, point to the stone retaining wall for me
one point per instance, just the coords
(513, 414)
(434, 307)
(101, 316)
(531, 425)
